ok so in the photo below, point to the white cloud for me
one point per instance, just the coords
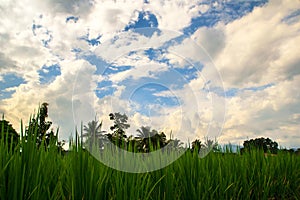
(175, 15)
(257, 49)
(260, 48)
(268, 113)
(58, 94)
(139, 71)
(212, 39)
(121, 44)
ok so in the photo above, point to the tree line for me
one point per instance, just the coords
(146, 139)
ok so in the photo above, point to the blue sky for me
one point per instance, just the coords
(225, 69)
(9, 81)
(49, 73)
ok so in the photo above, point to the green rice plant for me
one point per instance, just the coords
(29, 172)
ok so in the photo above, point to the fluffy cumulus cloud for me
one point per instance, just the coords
(273, 112)
(257, 57)
(261, 47)
(86, 58)
(261, 50)
(58, 94)
(175, 15)
(183, 106)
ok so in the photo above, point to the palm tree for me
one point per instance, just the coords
(93, 133)
(133, 144)
(144, 133)
(160, 139)
(211, 145)
(197, 146)
(175, 143)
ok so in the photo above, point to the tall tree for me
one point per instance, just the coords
(265, 144)
(211, 145)
(39, 128)
(297, 152)
(118, 136)
(197, 146)
(143, 136)
(150, 139)
(175, 143)
(94, 134)
(160, 139)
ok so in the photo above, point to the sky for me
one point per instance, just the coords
(222, 69)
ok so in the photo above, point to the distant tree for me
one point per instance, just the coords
(39, 128)
(211, 145)
(133, 144)
(150, 139)
(285, 150)
(196, 145)
(265, 144)
(174, 144)
(144, 135)
(297, 152)
(118, 136)
(120, 122)
(161, 139)
(8, 134)
(94, 134)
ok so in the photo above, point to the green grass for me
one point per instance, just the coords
(41, 174)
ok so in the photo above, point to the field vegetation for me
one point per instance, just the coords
(33, 165)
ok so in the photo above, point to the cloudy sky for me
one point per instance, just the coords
(228, 69)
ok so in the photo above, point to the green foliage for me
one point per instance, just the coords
(118, 136)
(267, 145)
(150, 140)
(147, 139)
(39, 129)
(41, 174)
(196, 145)
(93, 134)
(175, 144)
(8, 135)
(120, 122)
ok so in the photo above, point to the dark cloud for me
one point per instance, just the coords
(81, 7)
(6, 63)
